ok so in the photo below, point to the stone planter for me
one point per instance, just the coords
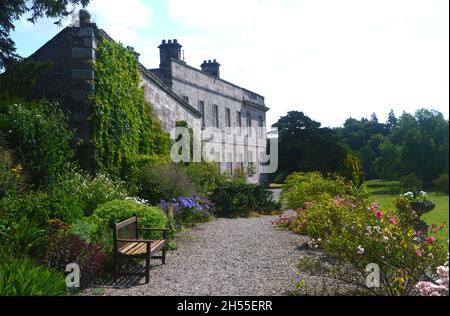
(422, 207)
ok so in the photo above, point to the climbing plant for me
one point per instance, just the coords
(125, 129)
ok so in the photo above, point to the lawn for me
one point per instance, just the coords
(385, 193)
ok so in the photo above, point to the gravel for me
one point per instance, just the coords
(227, 257)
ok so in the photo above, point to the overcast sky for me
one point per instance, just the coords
(330, 59)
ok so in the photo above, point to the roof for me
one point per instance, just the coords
(257, 105)
(155, 79)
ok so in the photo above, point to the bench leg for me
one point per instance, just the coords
(147, 265)
(114, 272)
(164, 255)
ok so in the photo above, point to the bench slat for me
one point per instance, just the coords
(135, 248)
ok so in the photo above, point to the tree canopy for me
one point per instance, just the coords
(305, 146)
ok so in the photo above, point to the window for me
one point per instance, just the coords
(228, 117)
(230, 168)
(239, 119)
(249, 123)
(261, 125)
(215, 116)
(201, 109)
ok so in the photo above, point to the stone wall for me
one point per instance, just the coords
(70, 80)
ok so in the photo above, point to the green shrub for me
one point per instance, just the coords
(39, 133)
(402, 254)
(281, 177)
(440, 184)
(164, 182)
(85, 192)
(120, 210)
(237, 199)
(354, 233)
(411, 182)
(205, 176)
(20, 277)
(10, 174)
(20, 236)
(305, 187)
(35, 206)
(85, 228)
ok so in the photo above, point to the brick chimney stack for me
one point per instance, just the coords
(169, 50)
(211, 67)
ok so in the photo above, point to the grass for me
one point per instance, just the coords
(385, 193)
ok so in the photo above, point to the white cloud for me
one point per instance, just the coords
(122, 20)
(331, 59)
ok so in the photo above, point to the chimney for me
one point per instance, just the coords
(211, 67)
(85, 18)
(135, 53)
(167, 51)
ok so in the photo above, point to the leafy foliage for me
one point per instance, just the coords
(205, 176)
(354, 234)
(441, 183)
(164, 181)
(82, 192)
(187, 211)
(414, 143)
(237, 199)
(125, 130)
(11, 178)
(39, 133)
(68, 249)
(301, 188)
(120, 210)
(411, 182)
(21, 277)
(305, 146)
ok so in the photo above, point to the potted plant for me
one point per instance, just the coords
(419, 202)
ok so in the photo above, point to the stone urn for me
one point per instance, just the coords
(422, 207)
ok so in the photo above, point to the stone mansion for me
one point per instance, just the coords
(177, 91)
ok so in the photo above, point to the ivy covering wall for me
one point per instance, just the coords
(126, 132)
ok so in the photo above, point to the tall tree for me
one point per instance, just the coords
(13, 10)
(392, 121)
(305, 146)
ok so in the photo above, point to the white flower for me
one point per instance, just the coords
(386, 238)
(360, 250)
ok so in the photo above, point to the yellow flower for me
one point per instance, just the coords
(17, 169)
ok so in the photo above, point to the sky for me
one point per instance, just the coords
(330, 59)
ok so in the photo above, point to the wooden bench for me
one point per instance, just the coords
(127, 244)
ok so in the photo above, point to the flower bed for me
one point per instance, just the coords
(355, 235)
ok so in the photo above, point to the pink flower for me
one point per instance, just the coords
(418, 253)
(379, 214)
(430, 240)
(375, 207)
(419, 233)
(393, 221)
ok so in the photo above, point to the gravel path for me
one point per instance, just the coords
(226, 257)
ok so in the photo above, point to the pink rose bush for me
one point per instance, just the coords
(439, 287)
(354, 233)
